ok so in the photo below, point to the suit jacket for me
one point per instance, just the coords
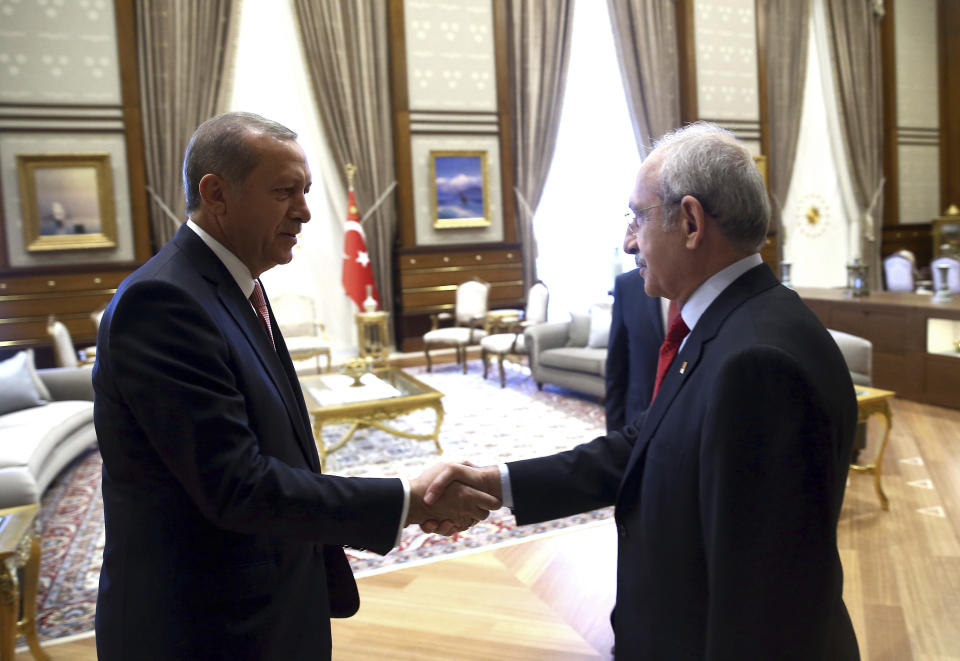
(727, 490)
(636, 333)
(222, 537)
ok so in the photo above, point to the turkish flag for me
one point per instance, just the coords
(357, 273)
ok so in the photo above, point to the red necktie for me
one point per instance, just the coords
(668, 350)
(260, 305)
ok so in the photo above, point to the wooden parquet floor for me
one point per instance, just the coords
(550, 598)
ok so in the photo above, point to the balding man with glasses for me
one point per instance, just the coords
(728, 488)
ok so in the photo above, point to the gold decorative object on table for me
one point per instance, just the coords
(389, 393)
(372, 335)
(19, 548)
(355, 369)
(872, 401)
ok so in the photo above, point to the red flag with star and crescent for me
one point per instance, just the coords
(357, 273)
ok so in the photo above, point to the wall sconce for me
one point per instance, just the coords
(857, 279)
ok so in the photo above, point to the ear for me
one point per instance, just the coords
(693, 220)
(213, 193)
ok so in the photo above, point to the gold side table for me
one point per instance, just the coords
(872, 401)
(372, 335)
(19, 548)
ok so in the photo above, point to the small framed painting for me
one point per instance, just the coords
(67, 201)
(460, 191)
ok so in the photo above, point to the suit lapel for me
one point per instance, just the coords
(271, 361)
(751, 283)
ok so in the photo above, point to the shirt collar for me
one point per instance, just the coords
(238, 270)
(708, 292)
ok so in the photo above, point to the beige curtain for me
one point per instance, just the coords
(787, 36)
(182, 50)
(346, 43)
(538, 36)
(645, 36)
(854, 27)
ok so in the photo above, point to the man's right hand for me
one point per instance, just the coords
(484, 479)
(454, 507)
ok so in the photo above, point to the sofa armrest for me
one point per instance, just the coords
(546, 336)
(858, 354)
(69, 383)
(541, 337)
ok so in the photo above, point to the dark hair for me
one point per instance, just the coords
(221, 146)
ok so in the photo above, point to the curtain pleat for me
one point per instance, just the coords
(855, 48)
(788, 29)
(346, 43)
(182, 52)
(645, 36)
(538, 53)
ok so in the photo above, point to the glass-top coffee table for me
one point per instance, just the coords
(385, 394)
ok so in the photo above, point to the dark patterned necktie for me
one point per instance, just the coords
(260, 305)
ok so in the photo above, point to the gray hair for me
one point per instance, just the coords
(710, 164)
(221, 146)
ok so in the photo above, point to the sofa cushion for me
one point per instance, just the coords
(600, 315)
(575, 359)
(579, 331)
(31, 433)
(18, 383)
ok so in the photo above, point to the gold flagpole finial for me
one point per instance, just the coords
(351, 170)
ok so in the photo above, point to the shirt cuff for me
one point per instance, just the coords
(506, 491)
(405, 511)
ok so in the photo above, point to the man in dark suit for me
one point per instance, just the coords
(223, 539)
(636, 331)
(728, 488)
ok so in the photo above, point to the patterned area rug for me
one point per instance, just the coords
(482, 423)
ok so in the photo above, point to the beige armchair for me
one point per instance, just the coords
(511, 344)
(64, 353)
(304, 336)
(469, 315)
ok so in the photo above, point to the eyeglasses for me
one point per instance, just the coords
(636, 218)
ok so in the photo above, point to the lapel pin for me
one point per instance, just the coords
(683, 368)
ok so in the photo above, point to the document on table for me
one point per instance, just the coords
(338, 389)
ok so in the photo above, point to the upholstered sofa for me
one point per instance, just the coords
(43, 428)
(572, 354)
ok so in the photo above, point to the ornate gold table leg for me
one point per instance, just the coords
(878, 460)
(438, 407)
(31, 578)
(881, 408)
(9, 605)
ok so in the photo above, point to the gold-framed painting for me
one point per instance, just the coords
(67, 201)
(459, 189)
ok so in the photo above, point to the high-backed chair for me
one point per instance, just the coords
(900, 269)
(953, 273)
(511, 344)
(469, 315)
(64, 353)
(304, 336)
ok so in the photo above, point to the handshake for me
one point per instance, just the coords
(449, 498)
